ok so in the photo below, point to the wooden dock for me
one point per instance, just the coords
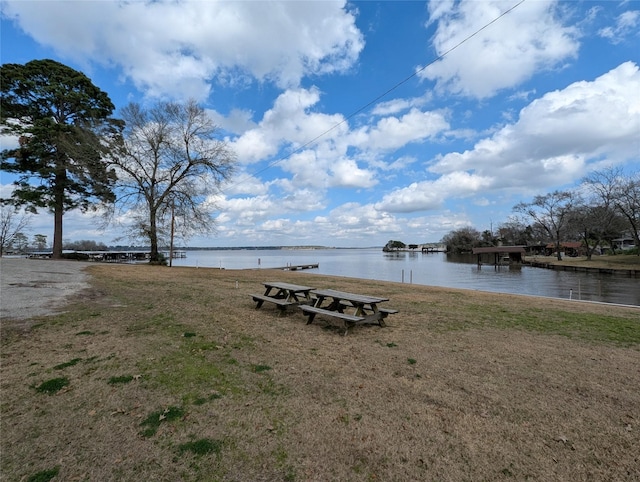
(295, 267)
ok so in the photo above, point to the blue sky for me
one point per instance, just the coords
(541, 97)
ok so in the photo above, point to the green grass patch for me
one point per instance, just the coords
(198, 399)
(52, 386)
(152, 323)
(188, 370)
(85, 332)
(585, 326)
(201, 447)
(120, 379)
(44, 475)
(271, 388)
(188, 334)
(260, 368)
(70, 363)
(411, 361)
(154, 419)
(623, 329)
(242, 341)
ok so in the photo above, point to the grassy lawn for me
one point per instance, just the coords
(171, 374)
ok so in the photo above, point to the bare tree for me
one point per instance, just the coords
(170, 168)
(597, 219)
(12, 223)
(627, 202)
(550, 212)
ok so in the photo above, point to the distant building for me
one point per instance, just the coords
(623, 243)
(497, 255)
(569, 248)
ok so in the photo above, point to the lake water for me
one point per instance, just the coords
(434, 269)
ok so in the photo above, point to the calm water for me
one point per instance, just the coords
(434, 269)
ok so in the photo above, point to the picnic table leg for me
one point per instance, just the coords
(317, 304)
(380, 315)
(259, 302)
(347, 325)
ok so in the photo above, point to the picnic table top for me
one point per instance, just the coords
(343, 295)
(286, 286)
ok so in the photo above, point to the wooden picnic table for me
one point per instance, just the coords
(283, 294)
(363, 309)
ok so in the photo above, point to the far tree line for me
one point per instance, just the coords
(161, 165)
(604, 208)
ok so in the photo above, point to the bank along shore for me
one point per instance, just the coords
(620, 264)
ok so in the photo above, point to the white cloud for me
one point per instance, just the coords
(175, 49)
(247, 211)
(559, 133)
(8, 142)
(626, 24)
(396, 106)
(290, 121)
(347, 174)
(394, 132)
(528, 39)
(245, 183)
(325, 164)
(430, 195)
(353, 220)
(237, 121)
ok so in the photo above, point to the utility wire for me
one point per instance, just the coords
(375, 100)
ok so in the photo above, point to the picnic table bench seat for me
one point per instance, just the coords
(386, 311)
(332, 304)
(282, 295)
(312, 311)
(278, 301)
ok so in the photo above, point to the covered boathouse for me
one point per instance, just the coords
(511, 255)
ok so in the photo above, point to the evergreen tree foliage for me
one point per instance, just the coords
(65, 133)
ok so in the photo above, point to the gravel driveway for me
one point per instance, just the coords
(36, 287)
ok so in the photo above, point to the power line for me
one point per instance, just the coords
(378, 98)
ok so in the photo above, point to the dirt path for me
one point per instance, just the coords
(36, 287)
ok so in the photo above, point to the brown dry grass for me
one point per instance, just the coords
(460, 385)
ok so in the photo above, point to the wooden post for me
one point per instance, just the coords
(173, 205)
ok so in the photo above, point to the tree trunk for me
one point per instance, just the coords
(58, 211)
(153, 238)
(559, 255)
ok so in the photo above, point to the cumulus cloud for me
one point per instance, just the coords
(323, 150)
(289, 122)
(557, 134)
(429, 195)
(527, 40)
(353, 220)
(393, 132)
(553, 141)
(177, 49)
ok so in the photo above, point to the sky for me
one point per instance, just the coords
(356, 123)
